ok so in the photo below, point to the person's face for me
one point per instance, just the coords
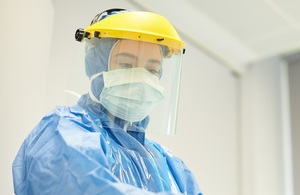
(135, 54)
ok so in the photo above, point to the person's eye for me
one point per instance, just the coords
(154, 72)
(124, 65)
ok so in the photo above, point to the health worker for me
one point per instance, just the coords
(98, 146)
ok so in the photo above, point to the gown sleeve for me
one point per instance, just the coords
(64, 154)
(182, 174)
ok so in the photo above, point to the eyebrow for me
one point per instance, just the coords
(124, 54)
(155, 61)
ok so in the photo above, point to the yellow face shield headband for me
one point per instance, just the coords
(135, 25)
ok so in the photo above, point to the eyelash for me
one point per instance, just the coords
(125, 65)
(154, 72)
(130, 65)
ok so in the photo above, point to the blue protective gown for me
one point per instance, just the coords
(74, 150)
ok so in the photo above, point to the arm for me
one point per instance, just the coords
(59, 157)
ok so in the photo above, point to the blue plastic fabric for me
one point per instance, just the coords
(74, 150)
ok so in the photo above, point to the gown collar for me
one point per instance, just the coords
(98, 113)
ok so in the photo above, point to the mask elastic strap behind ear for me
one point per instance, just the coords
(91, 94)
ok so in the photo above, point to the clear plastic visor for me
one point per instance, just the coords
(141, 81)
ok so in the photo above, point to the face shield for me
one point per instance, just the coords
(135, 77)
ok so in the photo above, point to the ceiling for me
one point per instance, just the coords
(234, 32)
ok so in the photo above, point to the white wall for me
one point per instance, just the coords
(294, 83)
(26, 32)
(266, 140)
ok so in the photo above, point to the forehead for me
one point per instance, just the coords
(136, 47)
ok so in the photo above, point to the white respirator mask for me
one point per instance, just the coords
(129, 94)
